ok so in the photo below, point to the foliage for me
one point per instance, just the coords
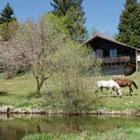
(8, 30)
(7, 14)
(129, 26)
(61, 7)
(73, 12)
(8, 23)
(57, 23)
(73, 66)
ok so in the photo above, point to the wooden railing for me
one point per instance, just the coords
(123, 59)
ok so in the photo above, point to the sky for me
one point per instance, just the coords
(102, 15)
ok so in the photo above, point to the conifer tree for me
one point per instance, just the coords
(73, 11)
(129, 26)
(8, 23)
(7, 14)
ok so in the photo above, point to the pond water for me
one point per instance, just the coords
(15, 128)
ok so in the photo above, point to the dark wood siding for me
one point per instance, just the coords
(125, 58)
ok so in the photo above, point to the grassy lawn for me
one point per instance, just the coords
(18, 92)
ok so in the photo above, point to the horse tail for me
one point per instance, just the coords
(134, 84)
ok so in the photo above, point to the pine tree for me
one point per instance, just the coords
(8, 23)
(7, 14)
(129, 26)
(73, 11)
(61, 7)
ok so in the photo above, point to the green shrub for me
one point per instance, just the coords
(74, 65)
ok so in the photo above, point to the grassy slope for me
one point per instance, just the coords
(17, 92)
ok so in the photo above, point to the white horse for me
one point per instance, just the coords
(110, 84)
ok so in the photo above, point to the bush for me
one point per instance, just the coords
(74, 65)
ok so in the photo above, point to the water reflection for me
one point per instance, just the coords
(15, 127)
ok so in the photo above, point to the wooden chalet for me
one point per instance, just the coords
(116, 57)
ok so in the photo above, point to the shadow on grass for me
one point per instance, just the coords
(116, 96)
(4, 93)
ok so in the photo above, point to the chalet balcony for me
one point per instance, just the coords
(122, 59)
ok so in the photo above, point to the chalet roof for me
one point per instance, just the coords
(111, 39)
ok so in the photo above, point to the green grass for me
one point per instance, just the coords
(116, 134)
(127, 102)
(18, 93)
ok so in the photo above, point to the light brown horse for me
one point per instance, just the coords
(123, 82)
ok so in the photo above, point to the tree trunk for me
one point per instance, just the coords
(40, 79)
(38, 89)
(39, 83)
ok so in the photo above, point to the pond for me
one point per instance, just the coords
(16, 127)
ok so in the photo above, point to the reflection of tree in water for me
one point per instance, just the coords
(74, 124)
(9, 133)
(38, 128)
(16, 128)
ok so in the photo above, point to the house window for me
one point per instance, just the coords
(138, 56)
(99, 53)
(113, 52)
